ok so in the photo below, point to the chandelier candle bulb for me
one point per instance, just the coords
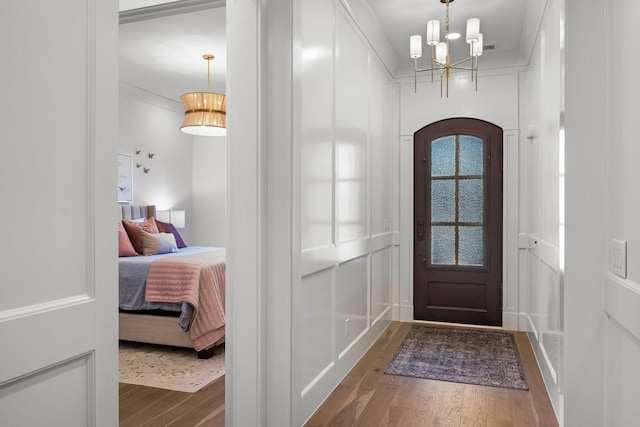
(433, 32)
(473, 30)
(415, 46)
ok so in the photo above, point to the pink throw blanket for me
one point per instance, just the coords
(198, 279)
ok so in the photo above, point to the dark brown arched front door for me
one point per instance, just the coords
(458, 222)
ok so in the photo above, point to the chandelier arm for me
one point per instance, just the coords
(461, 68)
(433, 53)
(415, 76)
(473, 65)
(455, 64)
(476, 74)
(420, 70)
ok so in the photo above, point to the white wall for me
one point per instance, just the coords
(343, 299)
(589, 314)
(586, 223)
(186, 173)
(208, 220)
(496, 101)
(622, 202)
(541, 233)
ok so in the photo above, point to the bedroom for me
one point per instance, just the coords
(161, 58)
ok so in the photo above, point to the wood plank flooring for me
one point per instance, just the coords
(367, 397)
(148, 406)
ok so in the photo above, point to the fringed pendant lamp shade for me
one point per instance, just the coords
(205, 112)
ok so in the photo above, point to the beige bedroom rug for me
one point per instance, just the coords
(168, 367)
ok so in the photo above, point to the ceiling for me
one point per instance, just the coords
(501, 23)
(163, 55)
(161, 51)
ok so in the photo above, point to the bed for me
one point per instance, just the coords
(174, 298)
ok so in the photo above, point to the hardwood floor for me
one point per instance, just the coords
(147, 406)
(367, 397)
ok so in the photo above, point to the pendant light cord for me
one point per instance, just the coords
(208, 57)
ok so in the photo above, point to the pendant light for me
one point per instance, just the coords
(440, 53)
(205, 113)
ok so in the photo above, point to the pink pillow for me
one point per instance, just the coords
(125, 248)
(135, 231)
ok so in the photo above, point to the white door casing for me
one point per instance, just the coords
(58, 274)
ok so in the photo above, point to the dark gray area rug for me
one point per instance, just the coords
(472, 357)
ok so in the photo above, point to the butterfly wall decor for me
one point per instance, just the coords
(140, 165)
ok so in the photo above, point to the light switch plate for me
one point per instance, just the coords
(619, 257)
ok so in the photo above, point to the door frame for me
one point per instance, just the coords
(487, 276)
(514, 247)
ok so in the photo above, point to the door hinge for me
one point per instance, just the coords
(501, 302)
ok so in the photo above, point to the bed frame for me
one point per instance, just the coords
(149, 328)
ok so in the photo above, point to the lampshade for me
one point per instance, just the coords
(205, 113)
(415, 46)
(177, 218)
(442, 50)
(164, 216)
(473, 30)
(476, 48)
(433, 32)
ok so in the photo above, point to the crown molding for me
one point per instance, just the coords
(168, 9)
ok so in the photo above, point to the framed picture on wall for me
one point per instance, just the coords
(125, 191)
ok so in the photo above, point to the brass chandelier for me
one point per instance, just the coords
(205, 112)
(440, 53)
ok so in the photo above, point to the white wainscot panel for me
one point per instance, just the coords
(351, 132)
(622, 305)
(351, 183)
(534, 294)
(523, 296)
(380, 283)
(550, 331)
(53, 408)
(317, 124)
(351, 303)
(315, 342)
(380, 122)
(316, 198)
(622, 376)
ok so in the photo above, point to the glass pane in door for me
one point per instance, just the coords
(457, 200)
